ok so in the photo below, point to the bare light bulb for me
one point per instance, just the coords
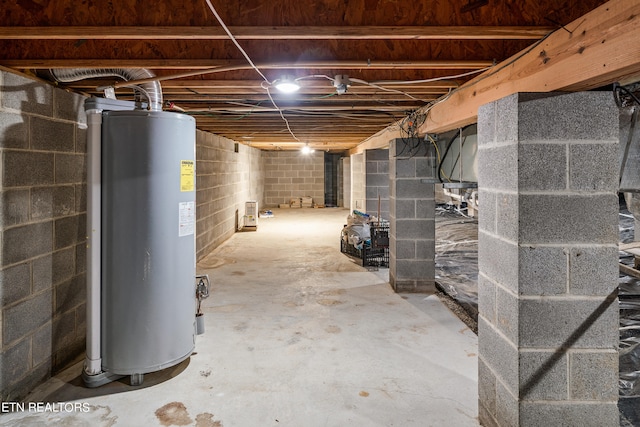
(287, 85)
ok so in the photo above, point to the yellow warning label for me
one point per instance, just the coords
(187, 175)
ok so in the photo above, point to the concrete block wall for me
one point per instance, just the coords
(346, 182)
(225, 180)
(291, 174)
(358, 182)
(377, 182)
(548, 234)
(42, 232)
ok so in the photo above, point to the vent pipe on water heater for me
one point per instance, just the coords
(151, 91)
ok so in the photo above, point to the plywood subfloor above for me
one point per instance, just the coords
(392, 50)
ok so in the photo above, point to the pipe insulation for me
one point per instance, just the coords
(150, 90)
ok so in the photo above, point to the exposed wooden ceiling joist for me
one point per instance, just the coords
(239, 85)
(235, 65)
(214, 99)
(382, 107)
(276, 33)
(377, 41)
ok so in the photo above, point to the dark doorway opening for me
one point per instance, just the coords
(331, 166)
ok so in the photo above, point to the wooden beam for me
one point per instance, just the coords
(330, 128)
(276, 33)
(378, 140)
(267, 108)
(230, 65)
(312, 83)
(205, 97)
(595, 50)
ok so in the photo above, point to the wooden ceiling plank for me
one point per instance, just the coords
(356, 125)
(311, 83)
(276, 33)
(205, 66)
(295, 118)
(342, 108)
(190, 98)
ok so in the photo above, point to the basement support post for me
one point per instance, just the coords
(377, 182)
(411, 217)
(358, 177)
(547, 256)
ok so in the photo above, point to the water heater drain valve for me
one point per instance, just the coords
(202, 289)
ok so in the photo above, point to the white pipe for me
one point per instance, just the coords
(93, 361)
(453, 195)
(471, 199)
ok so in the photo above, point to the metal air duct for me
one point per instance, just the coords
(151, 91)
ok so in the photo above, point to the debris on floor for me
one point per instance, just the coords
(366, 237)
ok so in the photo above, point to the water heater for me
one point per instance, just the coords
(147, 249)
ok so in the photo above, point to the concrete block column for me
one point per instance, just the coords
(547, 255)
(377, 182)
(346, 182)
(411, 219)
(358, 182)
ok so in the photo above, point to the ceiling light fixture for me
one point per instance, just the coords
(286, 84)
(306, 149)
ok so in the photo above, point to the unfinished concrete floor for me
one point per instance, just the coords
(297, 334)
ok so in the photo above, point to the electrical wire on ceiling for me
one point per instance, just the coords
(233, 39)
(364, 82)
(434, 79)
(501, 66)
(379, 84)
(364, 115)
(426, 109)
(316, 76)
(375, 100)
(492, 71)
(267, 84)
(438, 158)
(407, 126)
